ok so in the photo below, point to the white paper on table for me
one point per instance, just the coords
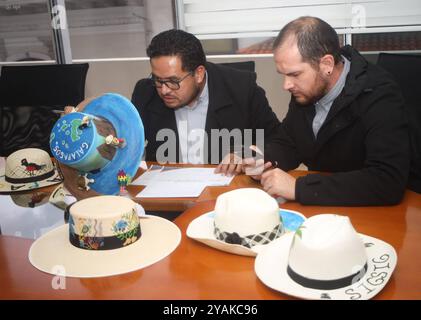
(169, 189)
(204, 175)
(148, 176)
(179, 175)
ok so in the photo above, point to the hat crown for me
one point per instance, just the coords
(327, 247)
(76, 141)
(102, 207)
(103, 216)
(29, 162)
(246, 211)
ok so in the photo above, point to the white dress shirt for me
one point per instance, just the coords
(191, 121)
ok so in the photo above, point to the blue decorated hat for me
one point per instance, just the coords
(100, 140)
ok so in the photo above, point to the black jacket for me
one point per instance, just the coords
(235, 102)
(364, 142)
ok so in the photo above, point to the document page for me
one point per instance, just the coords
(181, 175)
(178, 182)
(169, 189)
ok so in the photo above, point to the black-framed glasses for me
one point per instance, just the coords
(173, 84)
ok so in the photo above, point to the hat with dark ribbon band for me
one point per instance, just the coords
(244, 222)
(327, 259)
(30, 179)
(28, 169)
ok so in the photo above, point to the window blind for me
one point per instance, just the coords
(218, 19)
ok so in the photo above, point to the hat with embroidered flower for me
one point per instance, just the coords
(244, 221)
(105, 236)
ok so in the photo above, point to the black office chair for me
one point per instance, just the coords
(28, 94)
(406, 70)
(242, 65)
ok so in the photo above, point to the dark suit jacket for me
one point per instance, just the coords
(364, 141)
(235, 102)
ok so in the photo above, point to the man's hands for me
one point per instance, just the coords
(275, 182)
(230, 165)
(255, 167)
(278, 183)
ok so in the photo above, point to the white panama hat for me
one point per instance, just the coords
(104, 237)
(327, 259)
(244, 221)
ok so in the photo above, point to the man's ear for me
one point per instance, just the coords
(326, 64)
(199, 74)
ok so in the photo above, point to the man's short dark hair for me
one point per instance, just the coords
(178, 43)
(315, 38)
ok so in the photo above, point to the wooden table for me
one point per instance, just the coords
(195, 271)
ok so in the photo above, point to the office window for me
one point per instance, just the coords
(236, 20)
(115, 28)
(394, 41)
(250, 18)
(25, 31)
(261, 45)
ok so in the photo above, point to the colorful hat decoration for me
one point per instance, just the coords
(93, 144)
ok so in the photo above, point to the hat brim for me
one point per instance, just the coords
(201, 229)
(17, 187)
(53, 253)
(271, 268)
(127, 124)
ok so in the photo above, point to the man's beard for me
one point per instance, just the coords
(319, 91)
(195, 95)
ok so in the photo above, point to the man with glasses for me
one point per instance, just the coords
(196, 99)
(345, 117)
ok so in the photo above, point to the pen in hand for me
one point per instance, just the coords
(256, 149)
(256, 166)
(266, 166)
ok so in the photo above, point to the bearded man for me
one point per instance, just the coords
(346, 117)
